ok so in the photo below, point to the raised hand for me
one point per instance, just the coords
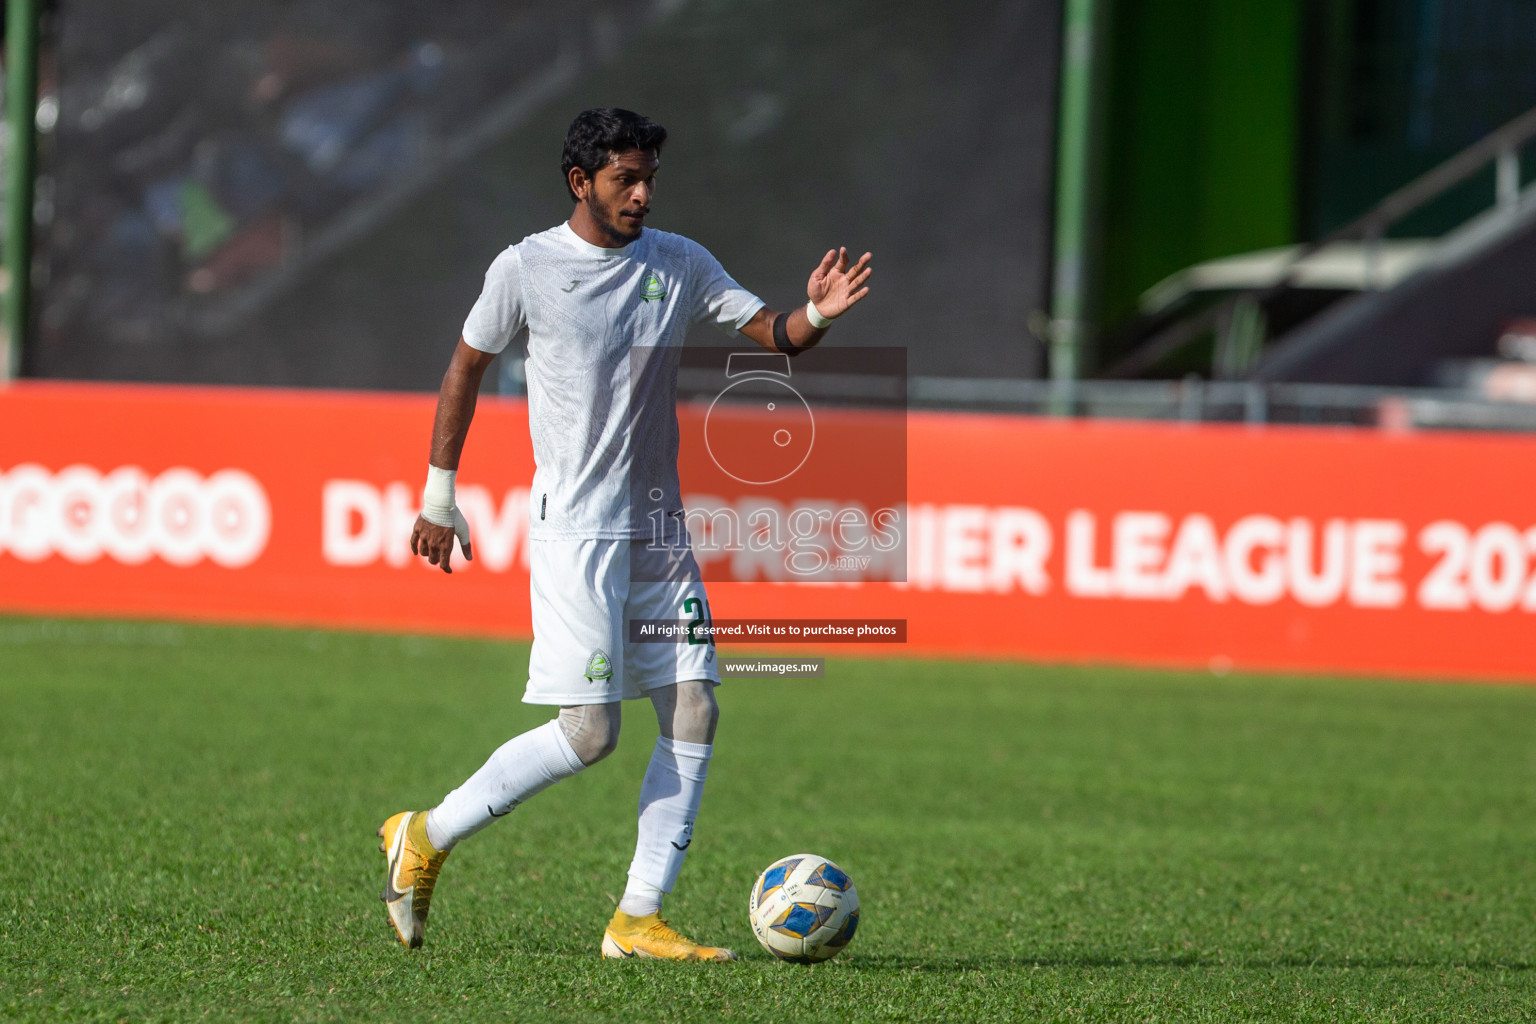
(835, 286)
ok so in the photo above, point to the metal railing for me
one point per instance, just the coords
(1254, 402)
(1232, 318)
(1191, 400)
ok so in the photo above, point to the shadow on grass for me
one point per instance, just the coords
(940, 965)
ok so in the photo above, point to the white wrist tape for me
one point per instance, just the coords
(818, 321)
(437, 500)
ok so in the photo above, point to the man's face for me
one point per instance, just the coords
(619, 196)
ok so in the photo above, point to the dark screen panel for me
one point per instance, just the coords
(309, 193)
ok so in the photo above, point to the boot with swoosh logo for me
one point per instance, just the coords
(413, 866)
(651, 938)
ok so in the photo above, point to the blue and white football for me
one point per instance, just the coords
(804, 909)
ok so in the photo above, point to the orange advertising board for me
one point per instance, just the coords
(1213, 546)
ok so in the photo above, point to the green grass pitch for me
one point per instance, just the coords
(188, 834)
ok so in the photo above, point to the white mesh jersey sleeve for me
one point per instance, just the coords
(718, 298)
(500, 312)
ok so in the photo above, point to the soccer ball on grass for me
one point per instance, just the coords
(804, 909)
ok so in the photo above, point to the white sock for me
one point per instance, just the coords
(521, 767)
(640, 898)
(669, 803)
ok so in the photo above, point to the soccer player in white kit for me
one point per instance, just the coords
(598, 295)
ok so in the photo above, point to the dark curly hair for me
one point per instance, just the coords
(598, 134)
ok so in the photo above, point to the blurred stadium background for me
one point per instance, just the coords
(1219, 324)
(305, 195)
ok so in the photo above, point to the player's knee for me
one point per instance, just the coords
(591, 729)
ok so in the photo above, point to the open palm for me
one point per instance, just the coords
(834, 285)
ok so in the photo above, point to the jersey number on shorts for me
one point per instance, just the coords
(695, 607)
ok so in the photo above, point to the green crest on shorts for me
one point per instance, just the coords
(651, 289)
(598, 666)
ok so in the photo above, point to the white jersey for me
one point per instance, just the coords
(603, 329)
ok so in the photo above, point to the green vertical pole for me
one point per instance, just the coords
(1069, 298)
(21, 117)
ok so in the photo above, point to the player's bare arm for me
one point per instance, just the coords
(455, 410)
(834, 288)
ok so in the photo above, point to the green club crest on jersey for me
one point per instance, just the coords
(599, 667)
(651, 289)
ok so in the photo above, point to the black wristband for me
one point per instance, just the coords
(781, 336)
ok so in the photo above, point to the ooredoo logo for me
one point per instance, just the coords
(179, 516)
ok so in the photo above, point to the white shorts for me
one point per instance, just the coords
(583, 599)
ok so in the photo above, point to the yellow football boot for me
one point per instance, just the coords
(651, 938)
(413, 866)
